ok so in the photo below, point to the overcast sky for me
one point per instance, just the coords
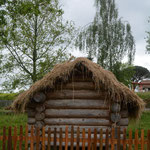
(136, 12)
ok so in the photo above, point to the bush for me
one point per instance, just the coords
(8, 96)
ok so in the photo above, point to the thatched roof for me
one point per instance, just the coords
(101, 77)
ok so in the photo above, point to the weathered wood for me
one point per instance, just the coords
(115, 107)
(124, 114)
(39, 124)
(31, 120)
(115, 117)
(40, 116)
(68, 121)
(40, 108)
(76, 113)
(76, 104)
(39, 97)
(123, 122)
(75, 94)
(31, 112)
(76, 86)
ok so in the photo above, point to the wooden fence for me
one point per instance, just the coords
(71, 138)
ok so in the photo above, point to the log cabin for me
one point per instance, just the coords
(79, 93)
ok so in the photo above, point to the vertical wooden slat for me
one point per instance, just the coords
(78, 138)
(89, 139)
(55, 139)
(95, 139)
(49, 139)
(72, 137)
(130, 139)
(83, 139)
(4, 139)
(148, 139)
(112, 138)
(9, 146)
(107, 140)
(43, 138)
(60, 139)
(37, 138)
(26, 138)
(66, 138)
(136, 140)
(20, 138)
(118, 138)
(124, 139)
(15, 138)
(101, 139)
(142, 139)
(31, 137)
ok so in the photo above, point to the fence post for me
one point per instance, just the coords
(148, 139)
(15, 138)
(60, 139)
(4, 138)
(49, 139)
(89, 139)
(142, 139)
(72, 137)
(9, 146)
(66, 138)
(136, 140)
(112, 138)
(124, 139)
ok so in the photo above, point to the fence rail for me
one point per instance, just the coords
(34, 138)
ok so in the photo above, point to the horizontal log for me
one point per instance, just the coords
(76, 104)
(86, 122)
(75, 94)
(124, 114)
(115, 117)
(76, 113)
(39, 97)
(76, 86)
(31, 120)
(123, 122)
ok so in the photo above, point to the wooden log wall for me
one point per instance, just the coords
(76, 103)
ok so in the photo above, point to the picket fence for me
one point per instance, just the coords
(48, 139)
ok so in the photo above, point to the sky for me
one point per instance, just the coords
(136, 12)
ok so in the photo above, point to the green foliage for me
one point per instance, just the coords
(33, 39)
(8, 96)
(107, 38)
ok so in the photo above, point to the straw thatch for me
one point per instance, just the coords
(101, 77)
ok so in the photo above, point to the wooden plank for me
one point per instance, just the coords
(124, 139)
(101, 139)
(20, 138)
(75, 94)
(148, 139)
(112, 138)
(89, 139)
(136, 140)
(142, 139)
(107, 140)
(32, 138)
(72, 137)
(76, 113)
(123, 122)
(90, 122)
(78, 138)
(95, 139)
(60, 139)
(37, 138)
(55, 139)
(83, 139)
(43, 138)
(76, 86)
(130, 139)
(9, 145)
(26, 138)
(49, 139)
(66, 138)
(118, 138)
(15, 139)
(4, 139)
(76, 104)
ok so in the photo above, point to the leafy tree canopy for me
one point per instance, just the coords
(33, 38)
(107, 38)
